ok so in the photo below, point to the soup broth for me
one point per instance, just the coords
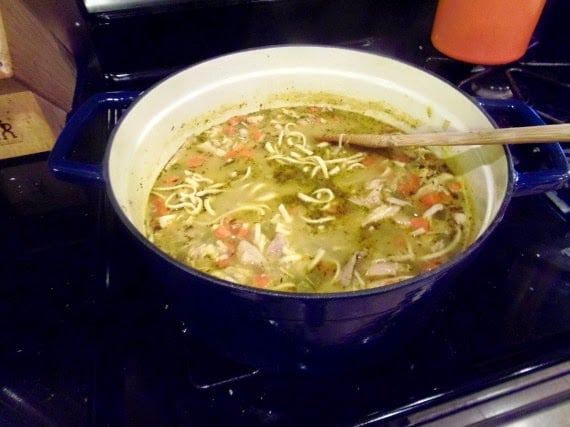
(256, 200)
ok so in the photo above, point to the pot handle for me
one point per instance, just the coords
(553, 170)
(61, 160)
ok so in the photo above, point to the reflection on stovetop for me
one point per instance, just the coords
(49, 267)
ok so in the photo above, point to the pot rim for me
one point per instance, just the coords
(432, 274)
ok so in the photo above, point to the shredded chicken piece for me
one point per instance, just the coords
(380, 213)
(164, 220)
(375, 184)
(275, 247)
(432, 210)
(205, 250)
(374, 198)
(347, 272)
(207, 147)
(460, 218)
(396, 201)
(255, 119)
(383, 268)
(249, 254)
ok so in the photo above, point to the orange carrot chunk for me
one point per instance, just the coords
(409, 185)
(368, 161)
(240, 150)
(197, 161)
(419, 222)
(222, 232)
(257, 135)
(224, 262)
(243, 232)
(171, 180)
(261, 280)
(436, 197)
(432, 265)
(159, 207)
(232, 121)
(454, 186)
(229, 130)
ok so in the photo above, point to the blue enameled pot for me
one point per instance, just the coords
(298, 331)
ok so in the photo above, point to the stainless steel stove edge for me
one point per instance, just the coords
(540, 398)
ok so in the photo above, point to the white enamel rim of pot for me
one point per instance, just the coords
(157, 123)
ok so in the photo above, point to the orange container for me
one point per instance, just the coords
(486, 32)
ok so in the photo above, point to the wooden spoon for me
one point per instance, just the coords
(515, 135)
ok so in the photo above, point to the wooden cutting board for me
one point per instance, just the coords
(32, 58)
(37, 82)
(28, 124)
(6, 68)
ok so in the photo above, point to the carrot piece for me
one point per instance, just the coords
(257, 135)
(222, 232)
(171, 180)
(432, 265)
(240, 150)
(400, 157)
(232, 121)
(231, 245)
(197, 161)
(232, 154)
(229, 130)
(419, 222)
(159, 207)
(224, 262)
(261, 280)
(247, 153)
(409, 184)
(243, 232)
(454, 186)
(234, 225)
(435, 197)
(368, 161)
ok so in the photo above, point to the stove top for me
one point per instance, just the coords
(87, 339)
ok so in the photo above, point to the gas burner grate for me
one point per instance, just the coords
(543, 86)
(547, 94)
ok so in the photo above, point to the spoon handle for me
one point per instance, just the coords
(515, 135)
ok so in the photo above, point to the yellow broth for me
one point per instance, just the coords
(257, 201)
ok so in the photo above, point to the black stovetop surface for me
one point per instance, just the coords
(88, 340)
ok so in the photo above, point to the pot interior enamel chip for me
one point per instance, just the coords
(225, 174)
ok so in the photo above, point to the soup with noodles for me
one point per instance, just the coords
(257, 201)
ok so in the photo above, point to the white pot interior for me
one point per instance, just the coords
(402, 95)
